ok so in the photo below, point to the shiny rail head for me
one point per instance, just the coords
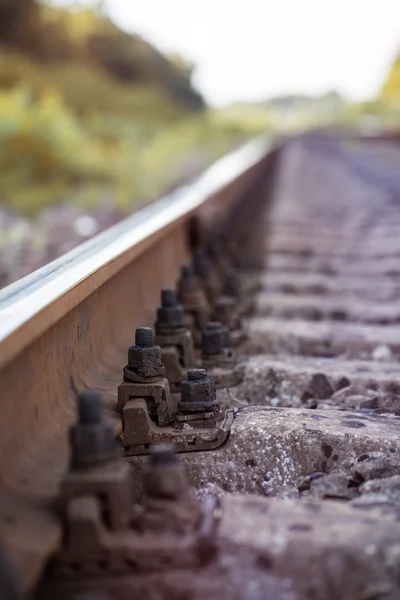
(45, 296)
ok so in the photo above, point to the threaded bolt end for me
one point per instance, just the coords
(89, 408)
(196, 374)
(144, 337)
(168, 298)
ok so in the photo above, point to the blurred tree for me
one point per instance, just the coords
(391, 87)
(184, 65)
(19, 24)
(87, 36)
(87, 109)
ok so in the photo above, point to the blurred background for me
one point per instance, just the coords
(104, 106)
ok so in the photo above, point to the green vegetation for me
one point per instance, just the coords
(88, 110)
(384, 109)
(391, 88)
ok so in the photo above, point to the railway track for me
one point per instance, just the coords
(280, 278)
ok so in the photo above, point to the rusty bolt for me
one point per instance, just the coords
(198, 393)
(201, 264)
(215, 339)
(145, 357)
(165, 476)
(188, 283)
(225, 310)
(170, 315)
(92, 437)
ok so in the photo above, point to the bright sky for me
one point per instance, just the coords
(248, 50)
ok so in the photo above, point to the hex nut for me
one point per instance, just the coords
(188, 283)
(215, 339)
(144, 357)
(150, 358)
(164, 475)
(170, 315)
(92, 437)
(225, 310)
(198, 393)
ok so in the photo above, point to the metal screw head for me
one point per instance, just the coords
(215, 339)
(92, 438)
(198, 393)
(164, 475)
(144, 357)
(170, 315)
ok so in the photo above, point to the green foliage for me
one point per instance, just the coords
(384, 109)
(88, 110)
(88, 90)
(49, 153)
(391, 88)
(43, 150)
(60, 37)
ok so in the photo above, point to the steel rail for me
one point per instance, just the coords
(23, 301)
(67, 326)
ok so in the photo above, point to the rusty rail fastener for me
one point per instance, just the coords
(144, 357)
(193, 299)
(164, 476)
(198, 393)
(205, 270)
(170, 316)
(106, 535)
(96, 468)
(218, 357)
(225, 311)
(150, 414)
(174, 338)
(144, 393)
(92, 436)
(169, 500)
(217, 252)
(215, 340)
(239, 287)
